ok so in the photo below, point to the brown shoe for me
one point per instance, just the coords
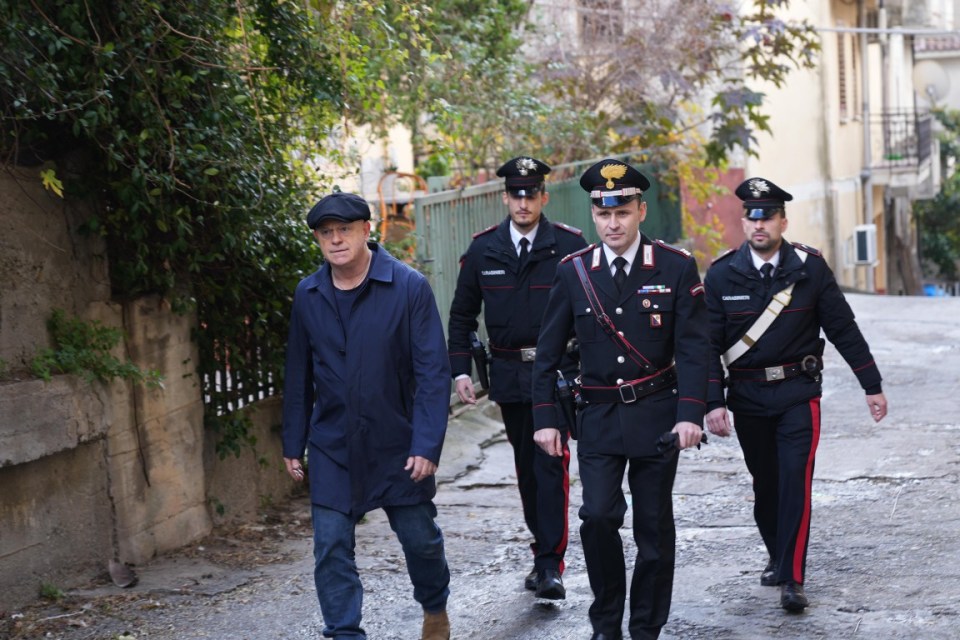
(436, 626)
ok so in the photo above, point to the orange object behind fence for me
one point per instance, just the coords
(397, 191)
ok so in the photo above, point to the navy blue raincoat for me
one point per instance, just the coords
(363, 398)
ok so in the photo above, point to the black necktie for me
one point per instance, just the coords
(524, 251)
(766, 272)
(620, 275)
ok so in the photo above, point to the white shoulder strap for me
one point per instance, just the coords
(779, 302)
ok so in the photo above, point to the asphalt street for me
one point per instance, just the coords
(884, 557)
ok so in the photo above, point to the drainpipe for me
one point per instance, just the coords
(866, 177)
(831, 192)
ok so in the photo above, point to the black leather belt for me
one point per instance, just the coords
(811, 365)
(523, 354)
(631, 391)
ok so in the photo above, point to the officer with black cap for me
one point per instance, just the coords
(636, 306)
(366, 397)
(768, 301)
(508, 270)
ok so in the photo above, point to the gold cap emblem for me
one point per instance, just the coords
(613, 172)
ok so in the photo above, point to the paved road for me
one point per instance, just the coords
(884, 558)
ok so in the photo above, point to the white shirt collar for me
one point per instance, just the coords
(630, 255)
(759, 262)
(516, 236)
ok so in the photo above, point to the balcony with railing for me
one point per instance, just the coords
(901, 146)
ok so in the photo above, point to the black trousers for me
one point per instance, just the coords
(604, 506)
(544, 483)
(780, 452)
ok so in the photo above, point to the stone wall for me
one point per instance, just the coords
(239, 487)
(90, 472)
(156, 450)
(98, 471)
(44, 263)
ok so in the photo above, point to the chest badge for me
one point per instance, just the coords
(655, 321)
(646, 303)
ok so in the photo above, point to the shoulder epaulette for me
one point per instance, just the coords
(803, 247)
(723, 256)
(586, 249)
(485, 231)
(568, 228)
(670, 247)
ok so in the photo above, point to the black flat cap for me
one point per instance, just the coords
(761, 198)
(612, 183)
(523, 176)
(338, 206)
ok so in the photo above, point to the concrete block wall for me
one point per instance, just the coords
(239, 487)
(53, 513)
(156, 454)
(90, 472)
(45, 263)
(87, 472)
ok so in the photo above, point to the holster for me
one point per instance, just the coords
(812, 365)
(479, 353)
(567, 400)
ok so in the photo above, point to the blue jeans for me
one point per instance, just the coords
(335, 567)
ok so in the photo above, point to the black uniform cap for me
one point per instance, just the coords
(523, 176)
(761, 198)
(338, 206)
(612, 183)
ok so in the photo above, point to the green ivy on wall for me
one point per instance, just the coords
(84, 348)
(185, 127)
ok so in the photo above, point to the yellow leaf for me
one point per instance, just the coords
(51, 182)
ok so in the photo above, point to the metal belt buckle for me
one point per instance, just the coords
(627, 399)
(774, 373)
(528, 354)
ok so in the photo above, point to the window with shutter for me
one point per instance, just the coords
(600, 20)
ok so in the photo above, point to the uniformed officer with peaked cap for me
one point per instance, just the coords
(508, 270)
(612, 183)
(761, 198)
(768, 301)
(523, 176)
(636, 307)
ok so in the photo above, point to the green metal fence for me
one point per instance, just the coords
(446, 221)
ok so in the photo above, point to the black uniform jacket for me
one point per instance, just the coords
(513, 300)
(661, 312)
(735, 299)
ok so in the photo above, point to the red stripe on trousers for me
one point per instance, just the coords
(801, 544)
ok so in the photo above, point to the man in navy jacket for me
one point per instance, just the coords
(366, 396)
(774, 374)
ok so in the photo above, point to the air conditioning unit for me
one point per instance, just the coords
(865, 244)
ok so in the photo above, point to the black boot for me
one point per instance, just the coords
(792, 597)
